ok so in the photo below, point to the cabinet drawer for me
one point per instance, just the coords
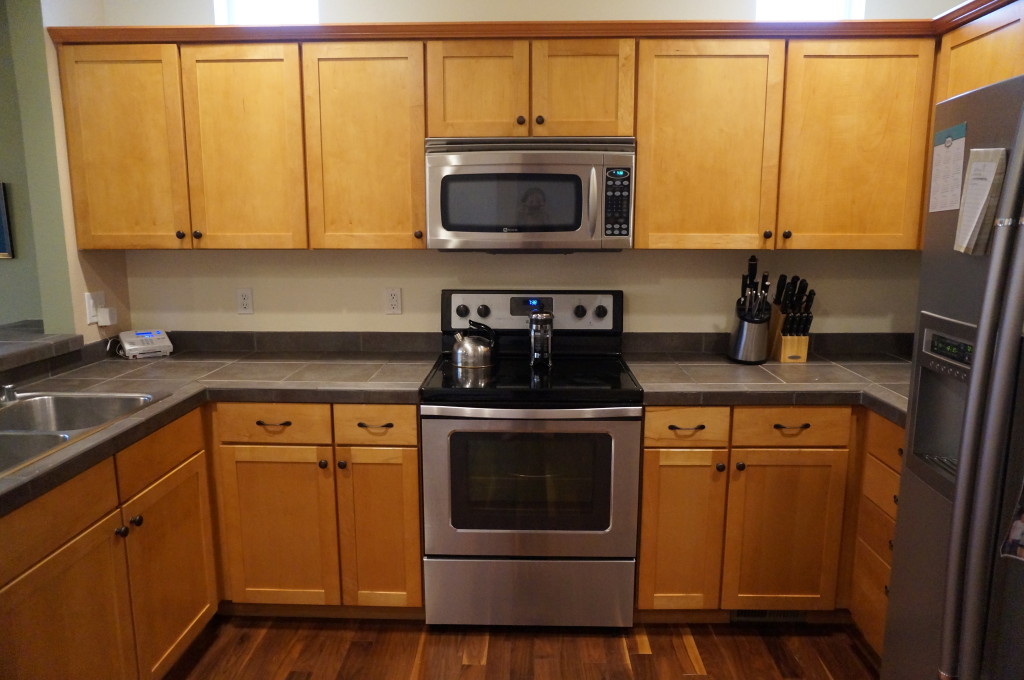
(881, 485)
(884, 440)
(273, 423)
(147, 460)
(375, 424)
(869, 599)
(791, 426)
(686, 426)
(876, 528)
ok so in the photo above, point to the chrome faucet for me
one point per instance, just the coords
(8, 394)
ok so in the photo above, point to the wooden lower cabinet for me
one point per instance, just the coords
(70, 615)
(324, 510)
(379, 526)
(682, 519)
(876, 527)
(783, 528)
(280, 541)
(170, 565)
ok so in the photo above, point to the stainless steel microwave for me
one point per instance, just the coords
(530, 194)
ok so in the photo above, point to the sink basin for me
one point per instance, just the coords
(17, 448)
(64, 412)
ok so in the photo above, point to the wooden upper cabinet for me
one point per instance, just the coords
(854, 143)
(709, 121)
(478, 88)
(482, 88)
(126, 146)
(982, 52)
(243, 122)
(583, 88)
(364, 142)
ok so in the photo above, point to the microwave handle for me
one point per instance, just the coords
(592, 202)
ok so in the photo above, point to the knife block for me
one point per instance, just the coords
(787, 349)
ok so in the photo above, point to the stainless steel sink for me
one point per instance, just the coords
(64, 412)
(18, 448)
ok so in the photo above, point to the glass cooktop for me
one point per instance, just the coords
(571, 380)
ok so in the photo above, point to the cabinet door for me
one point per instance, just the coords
(379, 524)
(126, 145)
(783, 528)
(709, 124)
(70, 615)
(853, 146)
(478, 88)
(583, 87)
(170, 565)
(982, 52)
(364, 141)
(681, 525)
(278, 524)
(243, 121)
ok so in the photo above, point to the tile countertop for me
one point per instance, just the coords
(189, 379)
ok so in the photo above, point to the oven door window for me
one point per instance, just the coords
(531, 481)
(516, 202)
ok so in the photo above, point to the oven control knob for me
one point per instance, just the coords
(462, 311)
(600, 311)
(484, 311)
(579, 311)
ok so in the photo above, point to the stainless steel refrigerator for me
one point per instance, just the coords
(956, 602)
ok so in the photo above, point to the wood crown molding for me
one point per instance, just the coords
(530, 29)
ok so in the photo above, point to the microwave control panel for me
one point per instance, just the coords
(618, 192)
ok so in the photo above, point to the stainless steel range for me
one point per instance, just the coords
(531, 467)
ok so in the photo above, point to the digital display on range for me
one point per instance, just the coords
(957, 350)
(523, 306)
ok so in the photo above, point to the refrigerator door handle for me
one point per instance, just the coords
(985, 435)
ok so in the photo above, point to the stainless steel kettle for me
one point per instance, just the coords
(474, 351)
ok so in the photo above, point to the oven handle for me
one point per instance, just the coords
(598, 413)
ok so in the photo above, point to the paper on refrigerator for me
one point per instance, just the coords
(985, 170)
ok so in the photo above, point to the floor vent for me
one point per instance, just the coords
(766, 616)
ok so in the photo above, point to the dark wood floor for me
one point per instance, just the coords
(301, 649)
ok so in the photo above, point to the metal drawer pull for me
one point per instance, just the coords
(780, 426)
(691, 429)
(284, 423)
(720, 467)
(375, 427)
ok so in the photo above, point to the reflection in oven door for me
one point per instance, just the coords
(516, 502)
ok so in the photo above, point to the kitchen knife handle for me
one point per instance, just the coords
(696, 428)
(375, 427)
(283, 423)
(780, 426)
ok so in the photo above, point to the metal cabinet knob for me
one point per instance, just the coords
(540, 120)
(741, 466)
(767, 233)
(417, 234)
(720, 467)
(895, 500)
(521, 120)
(122, 531)
(787, 234)
(180, 234)
(136, 520)
(342, 464)
(323, 464)
(197, 234)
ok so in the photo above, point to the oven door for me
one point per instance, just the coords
(531, 482)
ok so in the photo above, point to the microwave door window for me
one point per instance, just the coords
(516, 202)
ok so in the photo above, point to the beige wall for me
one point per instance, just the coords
(675, 291)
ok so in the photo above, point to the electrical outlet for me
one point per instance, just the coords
(94, 301)
(392, 300)
(244, 298)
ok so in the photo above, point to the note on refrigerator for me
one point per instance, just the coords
(984, 180)
(947, 168)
